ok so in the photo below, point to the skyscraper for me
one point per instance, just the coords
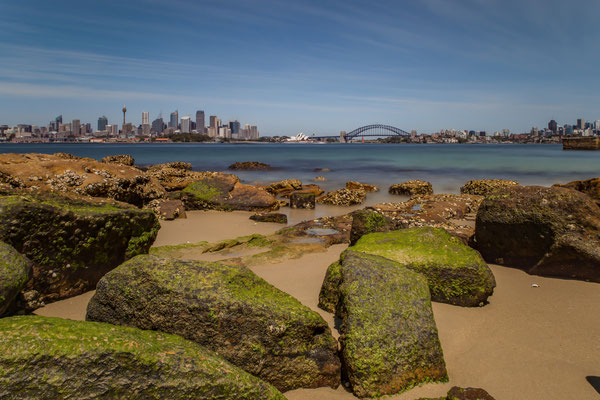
(158, 125)
(174, 121)
(76, 126)
(213, 121)
(580, 123)
(102, 122)
(145, 118)
(200, 122)
(185, 124)
(553, 126)
(235, 127)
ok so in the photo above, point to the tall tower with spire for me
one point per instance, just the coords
(124, 111)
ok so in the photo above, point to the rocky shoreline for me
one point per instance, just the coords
(72, 224)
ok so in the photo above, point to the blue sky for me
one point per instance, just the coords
(311, 66)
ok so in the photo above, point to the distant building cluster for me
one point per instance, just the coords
(62, 131)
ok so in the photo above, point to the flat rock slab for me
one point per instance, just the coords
(389, 338)
(456, 273)
(54, 358)
(229, 310)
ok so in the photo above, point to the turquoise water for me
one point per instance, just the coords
(446, 166)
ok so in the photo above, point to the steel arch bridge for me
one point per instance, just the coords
(377, 130)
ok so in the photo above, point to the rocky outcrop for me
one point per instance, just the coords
(456, 273)
(15, 270)
(389, 339)
(452, 212)
(319, 178)
(545, 231)
(249, 166)
(285, 187)
(343, 197)
(167, 209)
(486, 187)
(591, 187)
(229, 310)
(271, 217)
(176, 176)
(225, 192)
(411, 188)
(361, 186)
(82, 176)
(186, 166)
(458, 393)
(51, 358)
(302, 199)
(122, 159)
(72, 243)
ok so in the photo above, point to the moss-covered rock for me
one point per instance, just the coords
(546, 231)
(52, 358)
(15, 270)
(224, 192)
(389, 340)
(456, 273)
(591, 187)
(369, 221)
(302, 200)
(329, 295)
(229, 310)
(458, 393)
(71, 242)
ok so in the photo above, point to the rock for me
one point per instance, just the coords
(15, 270)
(168, 209)
(68, 156)
(322, 170)
(326, 230)
(284, 187)
(329, 296)
(389, 339)
(315, 189)
(229, 310)
(319, 178)
(369, 221)
(458, 393)
(343, 197)
(271, 217)
(302, 200)
(82, 176)
(72, 243)
(485, 187)
(249, 165)
(456, 273)
(224, 192)
(185, 166)
(411, 188)
(123, 159)
(544, 231)
(361, 186)
(591, 187)
(44, 358)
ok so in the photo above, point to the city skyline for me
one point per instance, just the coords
(304, 66)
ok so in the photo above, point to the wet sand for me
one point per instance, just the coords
(528, 343)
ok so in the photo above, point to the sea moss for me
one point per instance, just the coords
(202, 191)
(14, 273)
(55, 358)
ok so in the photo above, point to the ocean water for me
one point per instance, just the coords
(447, 167)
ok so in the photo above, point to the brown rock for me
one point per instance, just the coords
(271, 217)
(411, 188)
(319, 179)
(123, 159)
(591, 187)
(168, 209)
(302, 199)
(361, 186)
(284, 187)
(485, 187)
(343, 197)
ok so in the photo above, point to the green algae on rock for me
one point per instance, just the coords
(71, 242)
(228, 309)
(486, 187)
(329, 295)
(369, 221)
(456, 273)
(15, 270)
(53, 358)
(389, 338)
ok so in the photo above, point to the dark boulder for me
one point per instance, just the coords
(229, 310)
(456, 273)
(277, 218)
(411, 188)
(53, 358)
(302, 200)
(545, 231)
(389, 339)
(591, 187)
(15, 270)
(71, 242)
(249, 165)
(458, 393)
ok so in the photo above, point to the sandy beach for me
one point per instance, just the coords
(527, 343)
